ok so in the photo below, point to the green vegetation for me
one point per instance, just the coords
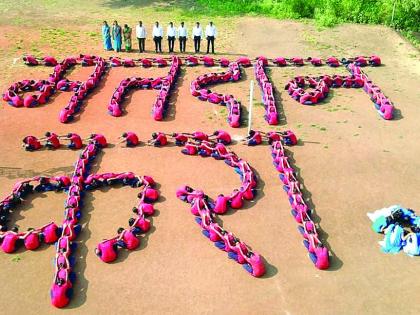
(327, 12)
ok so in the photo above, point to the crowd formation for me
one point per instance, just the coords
(113, 36)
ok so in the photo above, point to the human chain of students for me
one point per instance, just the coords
(389, 221)
(163, 84)
(234, 106)
(82, 180)
(15, 95)
(64, 236)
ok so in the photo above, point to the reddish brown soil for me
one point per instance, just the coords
(351, 162)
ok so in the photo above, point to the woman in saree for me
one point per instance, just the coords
(127, 37)
(116, 36)
(106, 36)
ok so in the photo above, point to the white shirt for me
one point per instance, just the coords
(157, 31)
(197, 31)
(171, 31)
(182, 31)
(211, 30)
(140, 31)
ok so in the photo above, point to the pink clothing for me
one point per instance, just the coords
(221, 204)
(322, 261)
(59, 296)
(106, 250)
(76, 140)
(9, 242)
(132, 137)
(50, 233)
(151, 194)
(31, 241)
(130, 240)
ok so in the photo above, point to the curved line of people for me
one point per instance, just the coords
(197, 89)
(318, 253)
(383, 104)
(267, 92)
(163, 84)
(107, 249)
(401, 229)
(321, 86)
(52, 141)
(62, 288)
(12, 239)
(204, 209)
(14, 95)
(82, 89)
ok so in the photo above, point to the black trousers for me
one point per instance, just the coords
(141, 44)
(171, 43)
(210, 41)
(182, 42)
(197, 42)
(158, 43)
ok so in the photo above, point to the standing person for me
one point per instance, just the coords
(127, 37)
(116, 36)
(171, 33)
(197, 33)
(106, 36)
(211, 34)
(157, 36)
(182, 37)
(141, 35)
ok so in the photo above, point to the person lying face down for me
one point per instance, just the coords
(180, 139)
(253, 138)
(190, 148)
(75, 141)
(221, 137)
(130, 139)
(159, 139)
(127, 239)
(31, 143)
(51, 140)
(315, 61)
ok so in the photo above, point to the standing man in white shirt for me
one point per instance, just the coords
(171, 33)
(182, 37)
(157, 36)
(211, 34)
(197, 33)
(141, 35)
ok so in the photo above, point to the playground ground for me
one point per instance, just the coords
(351, 162)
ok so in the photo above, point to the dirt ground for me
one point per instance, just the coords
(351, 162)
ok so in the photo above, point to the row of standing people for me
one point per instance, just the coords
(114, 36)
